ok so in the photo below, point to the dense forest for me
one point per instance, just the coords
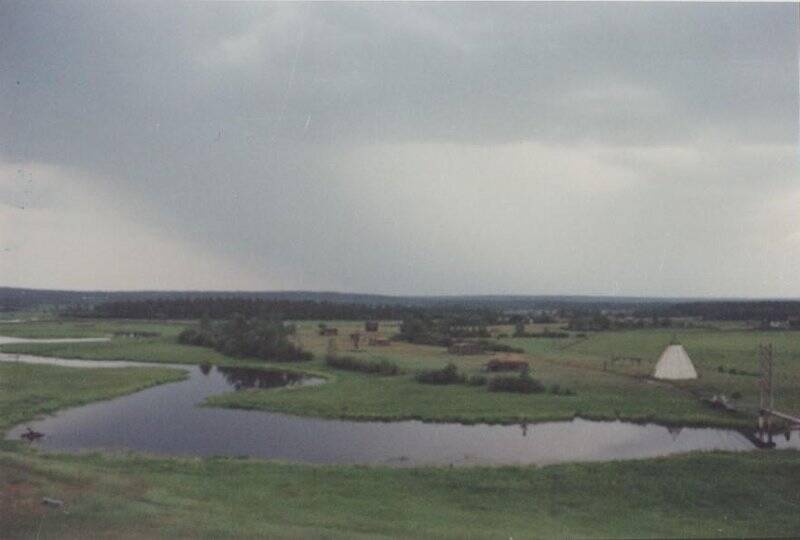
(247, 337)
(767, 310)
(223, 308)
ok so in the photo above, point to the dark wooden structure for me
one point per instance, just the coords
(767, 402)
(371, 326)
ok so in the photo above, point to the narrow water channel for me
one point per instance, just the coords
(169, 420)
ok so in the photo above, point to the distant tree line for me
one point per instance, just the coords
(536, 318)
(221, 308)
(247, 337)
(469, 319)
(433, 324)
(599, 322)
(756, 310)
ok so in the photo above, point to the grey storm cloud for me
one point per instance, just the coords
(407, 148)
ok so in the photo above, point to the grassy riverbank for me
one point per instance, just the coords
(28, 391)
(365, 397)
(604, 386)
(698, 495)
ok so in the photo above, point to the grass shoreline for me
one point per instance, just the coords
(237, 403)
(58, 387)
(701, 494)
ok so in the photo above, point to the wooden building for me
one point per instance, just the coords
(371, 326)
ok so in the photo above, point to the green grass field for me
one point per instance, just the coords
(58, 328)
(697, 495)
(129, 496)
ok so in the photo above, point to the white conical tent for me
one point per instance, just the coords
(674, 363)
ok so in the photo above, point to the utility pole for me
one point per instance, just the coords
(767, 401)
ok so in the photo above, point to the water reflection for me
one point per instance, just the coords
(242, 378)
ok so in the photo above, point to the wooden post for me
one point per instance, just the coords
(767, 395)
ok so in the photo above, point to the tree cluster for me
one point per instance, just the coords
(593, 322)
(464, 321)
(243, 337)
(442, 331)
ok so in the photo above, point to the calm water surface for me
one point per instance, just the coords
(167, 419)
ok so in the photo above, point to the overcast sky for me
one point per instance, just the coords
(632, 149)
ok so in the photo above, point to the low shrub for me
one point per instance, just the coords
(349, 363)
(493, 346)
(190, 336)
(556, 390)
(477, 380)
(524, 384)
(548, 334)
(447, 375)
(506, 365)
(734, 371)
